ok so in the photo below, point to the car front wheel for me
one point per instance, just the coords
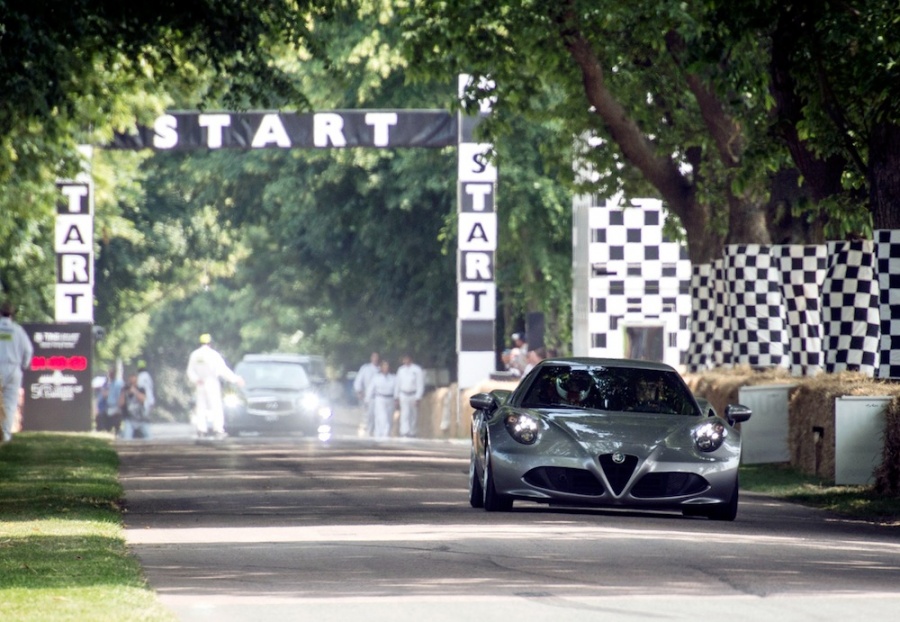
(726, 511)
(493, 502)
(476, 492)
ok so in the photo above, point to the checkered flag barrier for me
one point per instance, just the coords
(703, 319)
(802, 269)
(639, 278)
(723, 343)
(850, 314)
(887, 253)
(758, 319)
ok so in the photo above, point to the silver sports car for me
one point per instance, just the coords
(605, 433)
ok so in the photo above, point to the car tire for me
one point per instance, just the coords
(493, 502)
(726, 511)
(476, 492)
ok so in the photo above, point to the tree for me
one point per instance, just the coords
(618, 71)
(74, 71)
(833, 75)
(679, 94)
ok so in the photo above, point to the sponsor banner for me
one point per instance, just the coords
(58, 384)
(177, 131)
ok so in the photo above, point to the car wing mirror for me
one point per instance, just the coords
(737, 413)
(483, 401)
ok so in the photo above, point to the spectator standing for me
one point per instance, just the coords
(533, 358)
(101, 395)
(507, 359)
(145, 382)
(519, 352)
(16, 351)
(135, 423)
(361, 384)
(205, 370)
(381, 392)
(409, 390)
(113, 407)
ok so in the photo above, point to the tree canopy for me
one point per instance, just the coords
(694, 100)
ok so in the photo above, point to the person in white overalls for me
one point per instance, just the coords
(361, 386)
(206, 369)
(381, 392)
(410, 388)
(15, 357)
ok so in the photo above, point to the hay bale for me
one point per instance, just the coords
(438, 416)
(811, 427)
(887, 475)
(722, 387)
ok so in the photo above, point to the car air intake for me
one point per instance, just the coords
(618, 472)
(562, 479)
(662, 485)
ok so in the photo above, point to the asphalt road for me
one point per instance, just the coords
(353, 529)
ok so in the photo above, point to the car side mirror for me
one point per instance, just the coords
(737, 413)
(483, 401)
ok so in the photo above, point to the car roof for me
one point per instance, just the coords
(608, 362)
(281, 357)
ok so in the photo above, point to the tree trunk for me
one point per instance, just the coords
(884, 176)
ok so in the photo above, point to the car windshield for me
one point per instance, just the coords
(623, 389)
(273, 375)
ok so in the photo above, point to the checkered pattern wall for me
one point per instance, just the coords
(850, 314)
(802, 269)
(805, 307)
(703, 318)
(723, 346)
(887, 251)
(639, 286)
(758, 320)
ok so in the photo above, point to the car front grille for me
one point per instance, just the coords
(664, 485)
(269, 406)
(563, 479)
(618, 473)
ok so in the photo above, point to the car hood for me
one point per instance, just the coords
(610, 431)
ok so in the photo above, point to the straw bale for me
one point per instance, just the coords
(887, 475)
(722, 387)
(811, 433)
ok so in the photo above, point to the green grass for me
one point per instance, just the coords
(784, 482)
(62, 548)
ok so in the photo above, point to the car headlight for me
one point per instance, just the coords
(710, 436)
(309, 402)
(232, 400)
(523, 428)
(325, 413)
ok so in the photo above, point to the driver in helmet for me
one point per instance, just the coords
(574, 387)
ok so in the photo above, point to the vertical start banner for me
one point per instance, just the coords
(477, 221)
(74, 246)
(57, 387)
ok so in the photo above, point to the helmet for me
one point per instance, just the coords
(574, 383)
(205, 338)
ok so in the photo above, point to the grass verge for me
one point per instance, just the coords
(62, 548)
(785, 482)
